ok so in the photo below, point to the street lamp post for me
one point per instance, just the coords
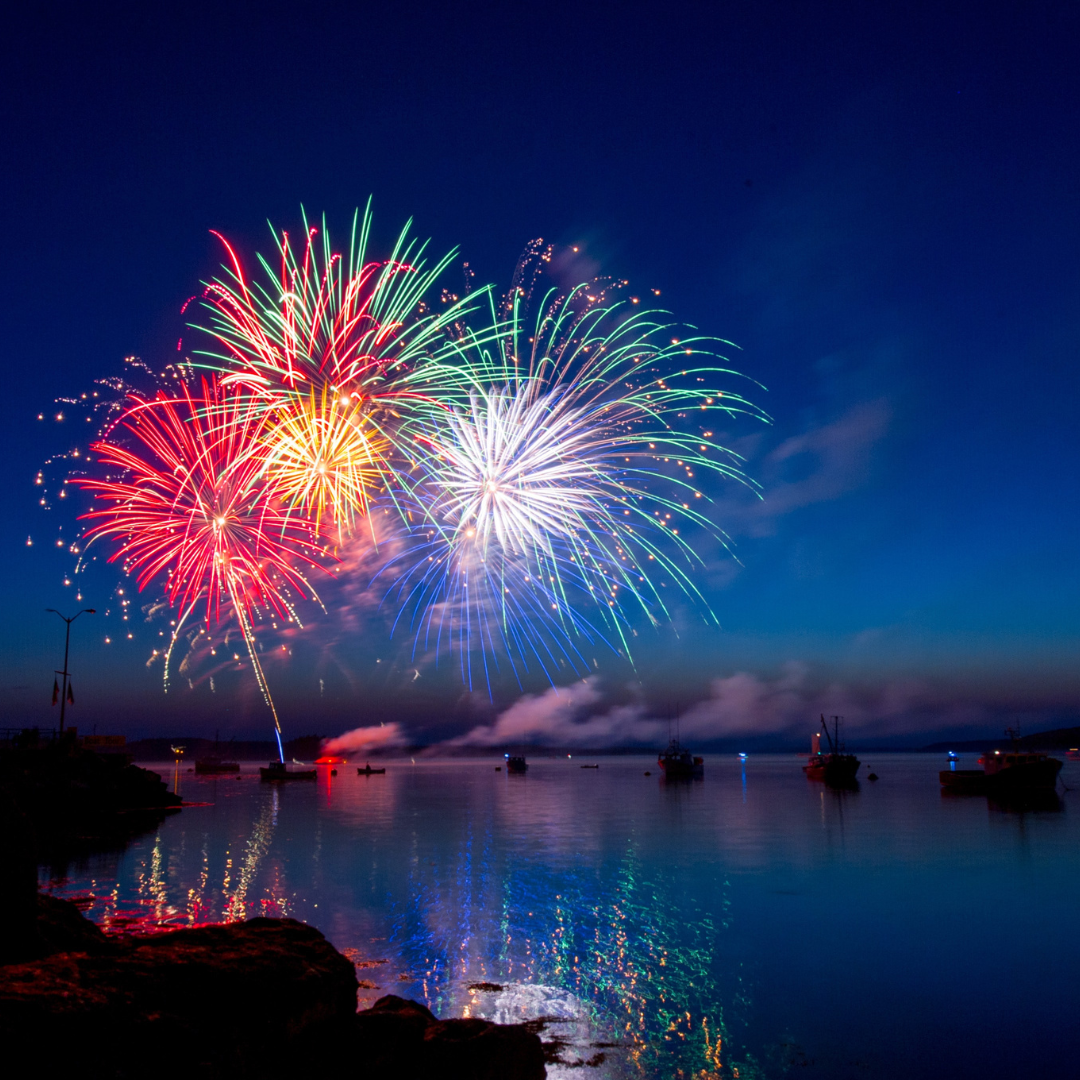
(67, 645)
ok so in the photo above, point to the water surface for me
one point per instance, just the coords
(751, 924)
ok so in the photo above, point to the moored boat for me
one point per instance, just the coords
(367, 770)
(277, 770)
(678, 763)
(1004, 772)
(211, 766)
(836, 768)
(213, 763)
(516, 763)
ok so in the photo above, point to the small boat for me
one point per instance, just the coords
(590, 766)
(516, 763)
(678, 763)
(1004, 773)
(836, 768)
(277, 770)
(212, 766)
(1073, 753)
(214, 763)
(367, 770)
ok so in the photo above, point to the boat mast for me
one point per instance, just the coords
(825, 726)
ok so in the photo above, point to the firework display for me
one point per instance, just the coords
(337, 349)
(531, 477)
(190, 509)
(564, 493)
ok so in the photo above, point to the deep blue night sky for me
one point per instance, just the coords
(880, 204)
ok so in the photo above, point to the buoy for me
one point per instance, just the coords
(872, 776)
(648, 774)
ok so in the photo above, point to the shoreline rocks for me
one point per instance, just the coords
(59, 803)
(263, 998)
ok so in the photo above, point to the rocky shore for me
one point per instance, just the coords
(265, 998)
(58, 803)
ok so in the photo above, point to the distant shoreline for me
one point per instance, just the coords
(307, 748)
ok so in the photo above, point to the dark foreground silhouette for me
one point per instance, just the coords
(264, 998)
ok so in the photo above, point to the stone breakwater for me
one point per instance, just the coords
(264, 998)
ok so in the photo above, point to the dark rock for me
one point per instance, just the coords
(18, 886)
(232, 999)
(62, 927)
(480, 1050)
(389, 1037)
(398, 1039)
(77, 801)
(267, 998)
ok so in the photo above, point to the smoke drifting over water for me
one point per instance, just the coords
(367, 740)
(745, 705)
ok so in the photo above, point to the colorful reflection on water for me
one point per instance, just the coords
(751, 924)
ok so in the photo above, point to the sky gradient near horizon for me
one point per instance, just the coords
(879, 205)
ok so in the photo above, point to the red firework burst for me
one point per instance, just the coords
(191, 505)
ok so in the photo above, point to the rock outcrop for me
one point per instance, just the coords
(233, 1000)
(266, 998)
(57, 802)
(402, 1039)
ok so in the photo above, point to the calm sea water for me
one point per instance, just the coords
(752, 924)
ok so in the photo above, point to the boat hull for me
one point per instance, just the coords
(1012, 780)
(213, 768)
(682, 770)
(836, 770)
(278, 775)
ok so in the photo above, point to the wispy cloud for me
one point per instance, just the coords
(818, 465)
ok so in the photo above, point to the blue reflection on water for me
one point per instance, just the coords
(751, 923)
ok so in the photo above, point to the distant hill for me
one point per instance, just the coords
(1058, 739)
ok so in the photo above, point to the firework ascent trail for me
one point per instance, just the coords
(191, 507)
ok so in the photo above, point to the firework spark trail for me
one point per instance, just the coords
(337, 348)
(190, 505)
(563, 479)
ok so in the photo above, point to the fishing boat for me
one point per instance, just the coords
(367, 770)
(211, 766)
(836, 768)
(214, 763)
(1004, 773)
(516, 763)
(277, 770)
(678, 763)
